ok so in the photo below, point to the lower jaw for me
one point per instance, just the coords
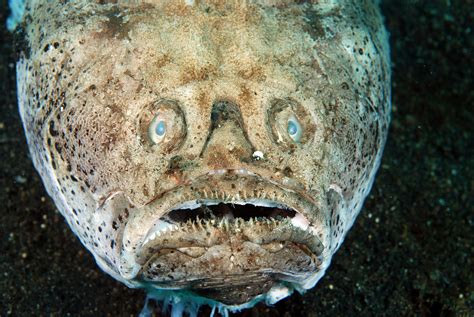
(232, 274)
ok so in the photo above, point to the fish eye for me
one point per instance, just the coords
(294, 128)
(289, 123)
(162, 125)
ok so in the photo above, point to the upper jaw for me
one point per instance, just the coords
(219, 186)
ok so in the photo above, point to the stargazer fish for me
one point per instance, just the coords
(211, 152)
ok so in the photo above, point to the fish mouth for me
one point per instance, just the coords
(231, 236)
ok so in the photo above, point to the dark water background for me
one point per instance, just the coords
(411, 251)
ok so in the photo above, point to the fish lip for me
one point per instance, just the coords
(204, 187)
(205, 234)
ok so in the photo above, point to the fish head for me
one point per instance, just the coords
(220, 151)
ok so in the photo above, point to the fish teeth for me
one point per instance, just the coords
(220, 225)
(198, 224)
(159, 229)
(226, 224)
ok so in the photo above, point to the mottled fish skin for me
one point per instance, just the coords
(92, 74)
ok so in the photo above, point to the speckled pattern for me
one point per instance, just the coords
(410, 251)
(91, 78)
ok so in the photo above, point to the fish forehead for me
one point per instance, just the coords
(88, 78)
(197, 59)
(127, 80)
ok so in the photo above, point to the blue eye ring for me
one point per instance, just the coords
(294, 129)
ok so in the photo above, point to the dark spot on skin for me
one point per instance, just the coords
(52, 131)
(58, 147)
(288, 172)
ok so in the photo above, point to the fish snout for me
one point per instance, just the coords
(227, 145)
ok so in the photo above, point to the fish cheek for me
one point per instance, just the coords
(72, 194)
(337, 216)
(83, 166)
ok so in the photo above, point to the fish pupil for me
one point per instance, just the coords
(292, 128)
(160, 128)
